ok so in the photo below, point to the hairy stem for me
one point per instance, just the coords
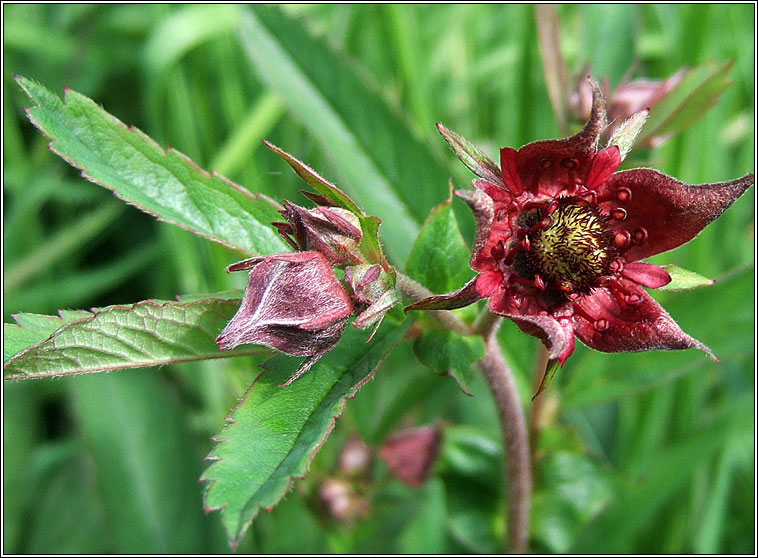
(536, 419)
(416, 291)
(517, 463)
(515, 438)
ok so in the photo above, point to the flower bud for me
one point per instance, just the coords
(410, 453)
(342, 501)
(332, 231)
(374, 289)
(355, 458)
(292, 303)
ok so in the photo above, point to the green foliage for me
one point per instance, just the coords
(688, 100)
(646, 453)
(275, 431)
(163, 183)
(135, 336)
(439, 256)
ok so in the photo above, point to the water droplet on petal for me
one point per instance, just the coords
(601, 325)
(569, 163)
(639, 236)
(623, 195)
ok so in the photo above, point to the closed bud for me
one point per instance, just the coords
(332, 231)
(292, 303)
(374, 290)
(410, 453)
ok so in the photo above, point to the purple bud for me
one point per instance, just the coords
(292, 303)
(333, 231)
(410, 453)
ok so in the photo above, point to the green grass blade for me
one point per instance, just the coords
(386, 168)
(140, 445)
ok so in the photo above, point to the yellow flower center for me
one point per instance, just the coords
(573, 248)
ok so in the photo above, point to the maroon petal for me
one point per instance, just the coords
(604, 164)
(647, 275)
(555, 331)
(553, 166)
(458, 299)
(663, 213)
(628, 320)
(558, 336)
(510, 174)
(483, 208)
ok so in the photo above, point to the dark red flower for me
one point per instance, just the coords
(292, 303)
(560, 236)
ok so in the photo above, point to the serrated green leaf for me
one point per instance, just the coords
(439, 257)
(688, 101)
(165, 184)
(134, 336)
(275, 431)
(683, 279)
(31, 329)
(387, 169)
(446, 352)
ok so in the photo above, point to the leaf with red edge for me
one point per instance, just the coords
(148, 333)
(163, 183)
(275, 431)
(470, 155)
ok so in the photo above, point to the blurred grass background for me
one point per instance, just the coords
(643, 453)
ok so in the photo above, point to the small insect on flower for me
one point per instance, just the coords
(560, 235)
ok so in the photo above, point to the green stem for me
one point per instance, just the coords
(415, 291)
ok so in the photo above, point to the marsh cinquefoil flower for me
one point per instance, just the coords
(560, 235)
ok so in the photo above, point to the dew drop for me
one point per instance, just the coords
(601, 325)
(546, 163)
(569, 163)
(639, 236)
(623, 195)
